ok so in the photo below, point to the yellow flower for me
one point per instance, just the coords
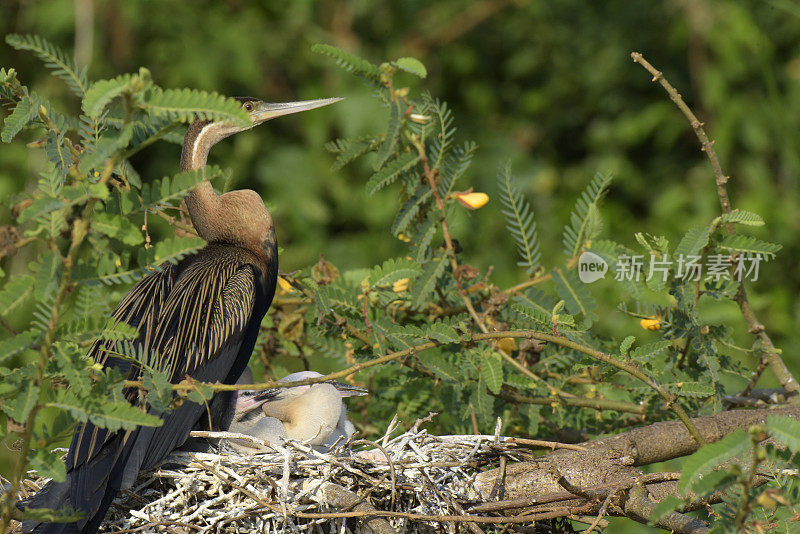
(651, 323)
(401, 285)
(285, 286)
(507, 344)
(471, 200)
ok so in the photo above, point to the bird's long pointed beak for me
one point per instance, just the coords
(267, 110)
(347, 390)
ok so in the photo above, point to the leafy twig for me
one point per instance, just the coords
(769, 353)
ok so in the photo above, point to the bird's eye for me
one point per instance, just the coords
(248, 106)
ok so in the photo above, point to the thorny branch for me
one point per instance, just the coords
(769, 353)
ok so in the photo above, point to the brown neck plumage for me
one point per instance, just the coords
(237, 217)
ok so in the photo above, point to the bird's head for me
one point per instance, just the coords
(260, 111)
(249, 400)
(345, 390)
(203, 134)
(237, 217)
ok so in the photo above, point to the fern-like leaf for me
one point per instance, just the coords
(350, 63)
(391, 271)
(350, 150)
(102, 92)
(390, 139)
(455, 165)
(13, 346)
(423, 237)
(24, 112)
(412, 65)
(585, 217)
(390, 172)
(176, 248)
(443, 333)
(746, 243)
(444, 132)
(785, 430)
(745, 217)
(576, 295)
(519, 221)
(492, 372)
(426, 282)
(410, 209)
(58, 154)
(54, 58)
(111, 415)
(177, 186)
(186, 104)
(692, 242)
(710, 456)
(646, 352)
(117, 227)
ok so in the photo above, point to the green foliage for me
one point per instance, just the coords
(102, 92)
(519, 220)
(692, 242)
(184, 105)
(392, 271)
(87, 234)
(710, 457)
(746, 243)
(390, 172)
(431, 292)
(785, 431)
(585, 221)
(54, 58)
(350, 63)
(24, 112)
(748, 218)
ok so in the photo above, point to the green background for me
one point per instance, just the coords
(549, 86)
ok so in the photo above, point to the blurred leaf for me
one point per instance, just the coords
(692, 242)
(576, 295)
(54, 58)
(426, 282)
(47, 464)
(443, 333)
(389, 140)
(785, 430)
(746, 243)
(412, 65)
(24, 112)
(20, 406)
(492, 372)
(118, 227)
(584, 219)
(709, 457)
(349, 62)
(393, 270)
(15, 292)
(743, 217)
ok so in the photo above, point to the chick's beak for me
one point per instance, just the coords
(347, 390)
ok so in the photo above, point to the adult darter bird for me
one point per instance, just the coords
(313, 414)
(199, 318)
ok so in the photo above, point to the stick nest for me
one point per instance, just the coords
(414, 482)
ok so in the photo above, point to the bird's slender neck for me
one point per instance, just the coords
(202, 201)
(237, 217)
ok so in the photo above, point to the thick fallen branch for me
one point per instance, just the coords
(610, 465)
